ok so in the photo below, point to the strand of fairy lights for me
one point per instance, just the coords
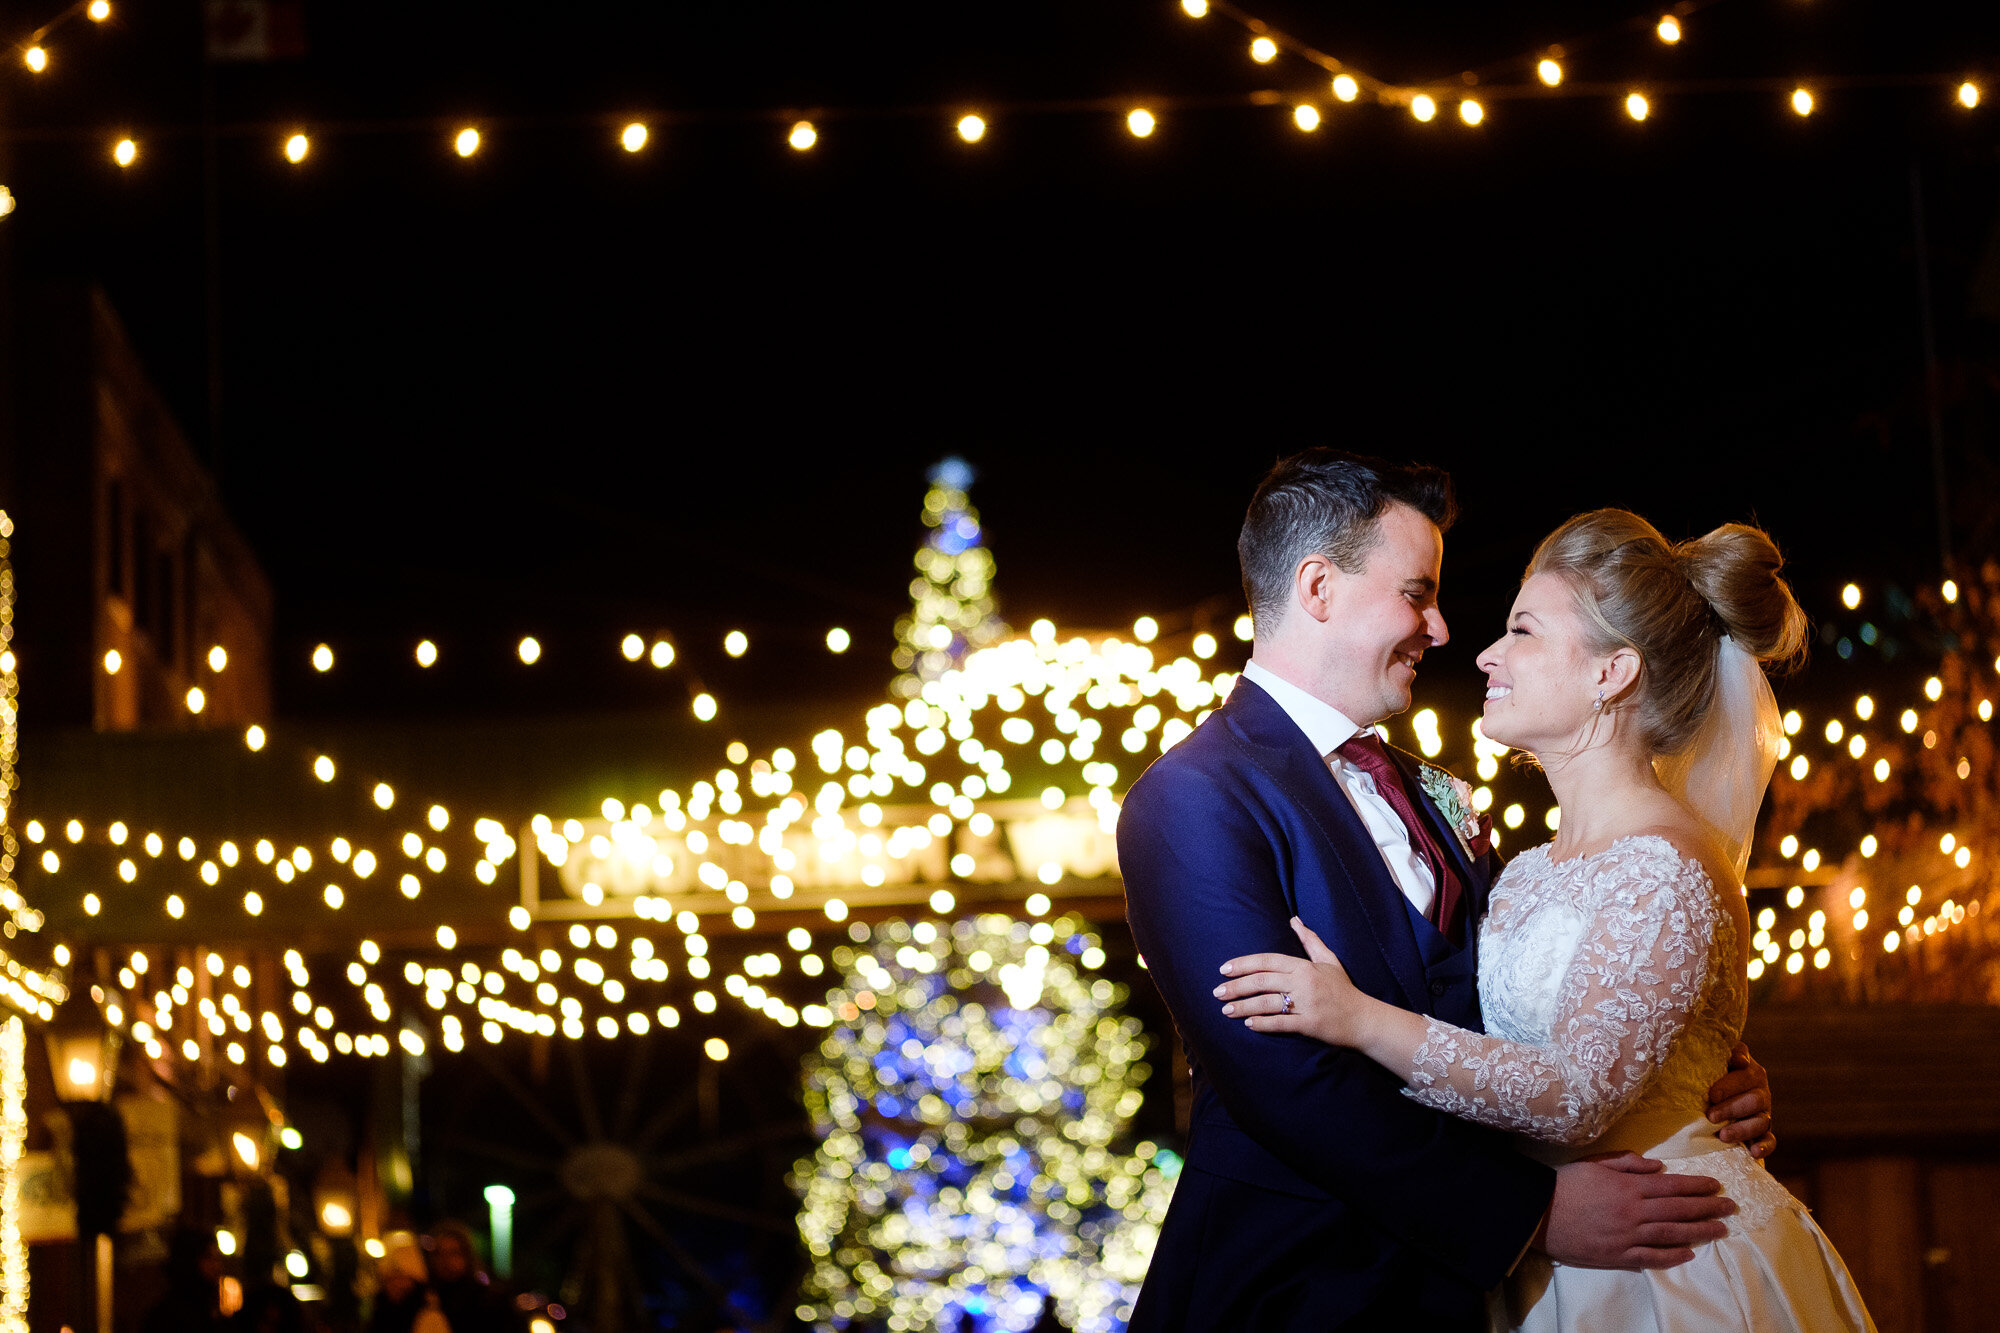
(1542, 74)
(1181, 680)
(1550, 78)
(24, 989)
(13, 1138)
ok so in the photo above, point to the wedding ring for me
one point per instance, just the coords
(1288, 1003)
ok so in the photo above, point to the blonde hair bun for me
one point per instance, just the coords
(1736, 570)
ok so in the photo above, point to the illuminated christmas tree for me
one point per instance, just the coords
(967, 1102)
(951, 598)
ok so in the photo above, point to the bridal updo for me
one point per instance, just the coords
(1671, 604)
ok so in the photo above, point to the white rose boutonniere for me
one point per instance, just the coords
(1453, 798)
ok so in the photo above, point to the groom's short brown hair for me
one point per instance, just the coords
(1326, 502)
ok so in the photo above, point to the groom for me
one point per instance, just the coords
(1316, 1196)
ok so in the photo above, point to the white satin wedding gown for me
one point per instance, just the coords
(1612, 992)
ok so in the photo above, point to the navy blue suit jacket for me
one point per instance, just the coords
(1316, 1196)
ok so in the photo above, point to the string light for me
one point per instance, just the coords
(1968, 95)
(1802, 102)
(1669, 29)
(1263, 50)
(633, 137)
(1636, 106)
(971, 128)
(1306, 116)
(1550, 72)
(296, 148)
(13, 1139)
(1195, 9)
(1471, 112)
(803, 136)
(466, 143)
(1140, 122)
(36, 58)
(125, 152)
(1423, 106)
(1345, 88)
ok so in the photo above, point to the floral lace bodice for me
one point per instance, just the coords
(1609, 985)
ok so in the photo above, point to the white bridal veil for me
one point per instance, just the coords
(1722, 775)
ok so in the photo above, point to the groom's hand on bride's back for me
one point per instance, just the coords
(1740, 1102)
(1625, 1211)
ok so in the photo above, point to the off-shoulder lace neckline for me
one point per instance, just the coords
(1679, 857)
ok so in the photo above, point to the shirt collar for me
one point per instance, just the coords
(1324, 725)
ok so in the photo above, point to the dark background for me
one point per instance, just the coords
(565, 390)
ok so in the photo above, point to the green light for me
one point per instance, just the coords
(291, 1138)
(499, 1196)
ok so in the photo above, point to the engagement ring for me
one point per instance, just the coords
(1288, 1003)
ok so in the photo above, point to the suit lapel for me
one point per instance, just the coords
(1277, 746)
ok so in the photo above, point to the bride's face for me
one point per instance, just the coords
(1540, 676)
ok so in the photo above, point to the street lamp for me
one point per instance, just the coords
(83, 1049)
(83, 1056)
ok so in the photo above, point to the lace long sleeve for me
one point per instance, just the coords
(1626, 994)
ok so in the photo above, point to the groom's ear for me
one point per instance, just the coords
(1619, 674)
(1313, 586)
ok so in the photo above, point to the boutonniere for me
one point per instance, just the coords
(1453, 798)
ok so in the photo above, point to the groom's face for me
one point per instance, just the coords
(1381, 620)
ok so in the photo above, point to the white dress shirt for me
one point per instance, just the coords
(1327, 728)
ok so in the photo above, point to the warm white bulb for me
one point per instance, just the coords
(803, 136)
(1140, 121)
(633, 137)
(467, 142)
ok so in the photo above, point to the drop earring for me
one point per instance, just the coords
(1598, 707)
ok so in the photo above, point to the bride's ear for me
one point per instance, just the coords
(1618, 675)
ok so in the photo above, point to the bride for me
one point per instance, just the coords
(1611, 962)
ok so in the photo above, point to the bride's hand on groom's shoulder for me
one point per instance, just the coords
(1275, 992)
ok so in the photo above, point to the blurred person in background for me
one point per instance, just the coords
(466, 1294)
(405, 1302)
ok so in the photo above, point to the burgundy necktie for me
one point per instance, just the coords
(1367, 753)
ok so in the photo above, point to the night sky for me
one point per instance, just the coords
(565, 390)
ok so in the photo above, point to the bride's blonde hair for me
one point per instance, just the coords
(1671, 604)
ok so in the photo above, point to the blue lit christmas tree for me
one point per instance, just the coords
(966, 1102)
(952, 610)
